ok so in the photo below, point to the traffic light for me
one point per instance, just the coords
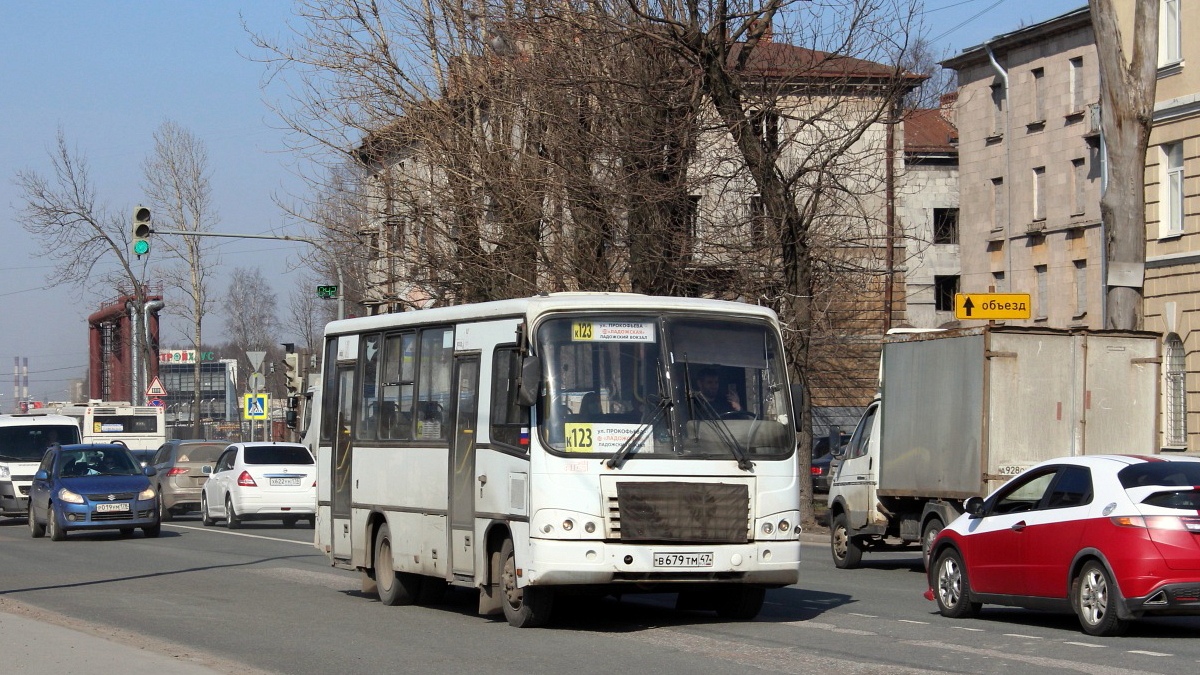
(291, 373)
(141, 231)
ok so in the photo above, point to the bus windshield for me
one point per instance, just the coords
(664, 386)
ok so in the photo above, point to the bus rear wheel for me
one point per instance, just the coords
(527, 607)
(393, 588)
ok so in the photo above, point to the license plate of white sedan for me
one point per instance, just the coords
(111, 507)
(684, 559)
(285, 481)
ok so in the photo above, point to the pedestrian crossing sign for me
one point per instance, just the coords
(254, 406)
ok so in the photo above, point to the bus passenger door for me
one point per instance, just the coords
(462, 466)
(343, 454)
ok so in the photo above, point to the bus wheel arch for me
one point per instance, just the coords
(527, 606)
(371, 531)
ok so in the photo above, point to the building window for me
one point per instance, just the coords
(758, 220)
(945, 226)
(944, 289)
(1039, 193)
(998, 109)
(999, 283)
(1170, 210)
(1042, 293)
(1077, 84)
(997, 204)
(1169, 24)
(1176, 395)
(1039, 95)
(1080, 288)
(1079, 186)
(765, 125)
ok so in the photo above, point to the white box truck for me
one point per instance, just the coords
(961, 411)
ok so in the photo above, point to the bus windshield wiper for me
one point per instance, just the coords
(639, 436)
(712, 417)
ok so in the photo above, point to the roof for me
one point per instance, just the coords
(1071, 21)
(928, 131)
(542, 304)
(782, 60)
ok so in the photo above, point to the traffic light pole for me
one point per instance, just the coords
(341, 298)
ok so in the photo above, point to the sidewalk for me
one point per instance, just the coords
(40, 647)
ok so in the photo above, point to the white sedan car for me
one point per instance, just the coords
(267, 480)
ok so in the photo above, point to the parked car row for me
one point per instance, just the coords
(105, 487)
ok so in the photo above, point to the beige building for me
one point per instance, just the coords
(1029, 170)
(1031, 176)
(1172, 287)
(928, 212)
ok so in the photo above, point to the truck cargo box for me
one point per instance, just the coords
(963, 410)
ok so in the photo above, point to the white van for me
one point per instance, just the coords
(23, 440)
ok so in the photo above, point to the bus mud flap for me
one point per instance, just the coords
(489, 592)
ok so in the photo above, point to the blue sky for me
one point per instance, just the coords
(109, 73)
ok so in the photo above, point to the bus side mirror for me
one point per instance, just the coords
(530, 384)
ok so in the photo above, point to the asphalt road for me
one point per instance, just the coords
(263, 599)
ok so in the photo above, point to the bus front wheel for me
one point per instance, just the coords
(527, 607)
(394, 588)
(740, 603)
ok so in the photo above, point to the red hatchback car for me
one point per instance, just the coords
(1108, 537)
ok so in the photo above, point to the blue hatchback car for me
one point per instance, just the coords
(92, 487)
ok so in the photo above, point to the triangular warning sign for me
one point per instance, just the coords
(155, 389)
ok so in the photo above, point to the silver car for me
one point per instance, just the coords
(180, 466)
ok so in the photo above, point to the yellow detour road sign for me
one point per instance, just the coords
(254, 406)
(990, 306)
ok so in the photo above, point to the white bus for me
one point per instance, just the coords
(141, 428)
(556, 444)
(23, 441)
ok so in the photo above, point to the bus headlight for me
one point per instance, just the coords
(767, 528)
(563, 524)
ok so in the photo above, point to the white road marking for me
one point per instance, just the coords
(1146, 653)
(865, 616)
(923, 623)
(240, 534)
(829, 627)
(1026, 637)
(1084, 644)
(973, 630)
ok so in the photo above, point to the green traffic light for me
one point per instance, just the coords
(141, 247)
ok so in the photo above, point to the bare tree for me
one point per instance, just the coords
(1127, 90)
(805, 126)
(498, 155)
(176, 183)
(91, 243)
(251, 322)
(307, 314)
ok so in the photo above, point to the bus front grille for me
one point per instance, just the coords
(676, 512)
